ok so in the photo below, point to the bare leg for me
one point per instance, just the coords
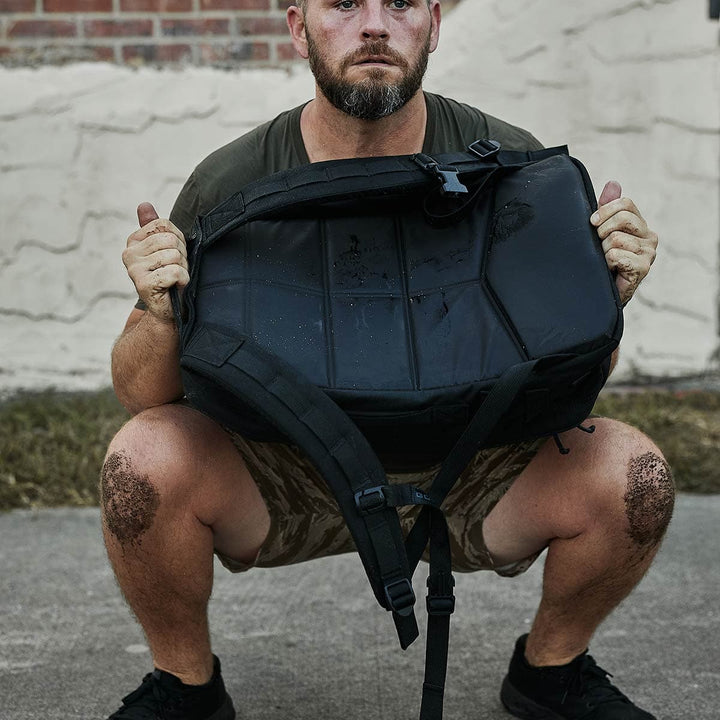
(602, 511)
(173, 489)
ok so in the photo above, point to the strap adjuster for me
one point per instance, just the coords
(400, 596)
(371, 500)
(440, 599)
(485, 149)
(440, 604)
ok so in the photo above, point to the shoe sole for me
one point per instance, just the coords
(523, 707)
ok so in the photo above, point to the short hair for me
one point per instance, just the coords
(302, 4)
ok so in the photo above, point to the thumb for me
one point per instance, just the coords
(611, 191)
(146, 213)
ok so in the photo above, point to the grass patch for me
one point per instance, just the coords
(52, 444)
(684, 425)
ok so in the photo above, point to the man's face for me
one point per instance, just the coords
(369, 56)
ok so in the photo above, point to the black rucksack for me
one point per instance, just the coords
(393, 312)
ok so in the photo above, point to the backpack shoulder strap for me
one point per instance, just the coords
(239, 371)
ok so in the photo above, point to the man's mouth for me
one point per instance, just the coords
(375, 60)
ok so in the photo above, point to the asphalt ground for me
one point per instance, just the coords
(308, 641)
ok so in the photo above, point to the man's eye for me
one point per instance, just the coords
(347, 4)
(399, 4)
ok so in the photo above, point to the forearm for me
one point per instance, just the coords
(145, 363)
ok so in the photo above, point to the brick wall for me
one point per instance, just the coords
(138, 32)
(220, 33)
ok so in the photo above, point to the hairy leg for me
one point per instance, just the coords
(602, 511)
(173, 488)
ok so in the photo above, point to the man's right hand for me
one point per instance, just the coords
(156, 259)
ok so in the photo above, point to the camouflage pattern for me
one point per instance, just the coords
(306, 523)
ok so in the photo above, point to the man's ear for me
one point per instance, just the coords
(296, 25)
(435, 15)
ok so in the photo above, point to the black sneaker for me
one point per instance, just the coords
(162, 696)
(580, 689)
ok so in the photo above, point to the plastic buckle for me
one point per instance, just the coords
(451, 184)
(371, 500)
(485, 149)
(447, 174)
(440, 599)
(400, 596)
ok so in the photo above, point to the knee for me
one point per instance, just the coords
(649, 497)
(143, 466)
(644, 485)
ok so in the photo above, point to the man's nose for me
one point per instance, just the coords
(374, 20)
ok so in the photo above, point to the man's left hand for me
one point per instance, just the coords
(629, 245)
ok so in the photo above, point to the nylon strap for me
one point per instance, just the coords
(311, 420)
(337, 178)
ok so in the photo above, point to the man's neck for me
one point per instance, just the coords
(330, 134)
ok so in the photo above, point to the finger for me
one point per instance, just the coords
(623, 221)
(161, 280)
(160, 241)
(622, 241)
(606, 211)
(156, 235)
(146, 213)
(629, 270)
(611, 191)
(625, 264)
(165, 258)
(153, 252)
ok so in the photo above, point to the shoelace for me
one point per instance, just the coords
(592, 681)
(145, 703)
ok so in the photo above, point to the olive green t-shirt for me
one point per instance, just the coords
(278, 145)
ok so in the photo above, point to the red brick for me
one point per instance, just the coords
(206, 26)
(156, 5)
(42, 29)
(118, 28)
(287, 51)
(100, 53)
(156, 53)
(11, 6)
(77, 5)
(234, 4)
(261, 25)
(234, 53)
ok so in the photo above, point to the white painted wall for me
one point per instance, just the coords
(632, 86)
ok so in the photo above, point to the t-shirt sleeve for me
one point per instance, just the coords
(453, 125)
(511, 136)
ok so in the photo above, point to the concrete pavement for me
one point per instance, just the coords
(309, 642)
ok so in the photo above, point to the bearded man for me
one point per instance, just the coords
(177, 487)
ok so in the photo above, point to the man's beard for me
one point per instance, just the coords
(373, 97)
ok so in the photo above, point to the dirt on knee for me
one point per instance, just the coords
(649, 499)
(129, 499)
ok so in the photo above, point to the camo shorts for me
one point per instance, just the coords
(305, 522)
